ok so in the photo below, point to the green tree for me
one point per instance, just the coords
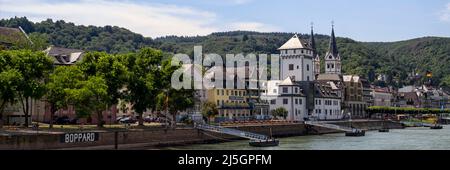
(61, 80)
(143, 82)
(9, 82)
(209, 110)
(40, 41)
(279, 112)
(446, 81)
(90, 96)
(109, 67)
(34, 68)
(171, 99)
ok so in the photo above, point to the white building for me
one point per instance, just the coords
(287, 94)
(298, 91)
(327, 102)
(296, 60)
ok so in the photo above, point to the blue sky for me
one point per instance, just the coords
(362, 20)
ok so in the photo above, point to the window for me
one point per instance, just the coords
(298, 67)
(328, 66)
(218, 102)
(228, 93)
(291, 66)
(218, 92)
(223, 92)
(274, 101)
(296, 90)
(285, 101)
(307, 67)
(296, 101)
(301, 101)
(332, 65)
(285, 90)
(307, 78)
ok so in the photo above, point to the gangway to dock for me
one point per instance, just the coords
(417, 124)
(233, 132)
(329, 126)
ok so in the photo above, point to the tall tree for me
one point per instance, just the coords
(62, 79)
(9, 82)
(143, 83)
(170, 99)
(111, 68)
(90, 96)
(34, 67)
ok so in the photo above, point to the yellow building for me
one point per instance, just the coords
(231, 103)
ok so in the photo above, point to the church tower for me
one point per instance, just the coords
(296, 60)
(332, 57)
(312, 45)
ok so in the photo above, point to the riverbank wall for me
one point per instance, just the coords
(159, 137)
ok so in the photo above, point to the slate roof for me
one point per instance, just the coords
(64, 56)
(324, 90)
(13, 36)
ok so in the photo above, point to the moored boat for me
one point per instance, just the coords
(264, 143)
(383, 130)
(436, 126)
(355, 133)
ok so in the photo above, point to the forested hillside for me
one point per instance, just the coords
(399, 61)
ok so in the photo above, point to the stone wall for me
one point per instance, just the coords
(164, 137)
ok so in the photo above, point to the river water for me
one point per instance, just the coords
(418, 138)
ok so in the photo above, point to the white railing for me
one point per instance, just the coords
(329, 126)
(229, 131)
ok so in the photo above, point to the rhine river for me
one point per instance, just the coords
(418, 138)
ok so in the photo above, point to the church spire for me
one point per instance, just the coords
(333, 47)
(312, 41)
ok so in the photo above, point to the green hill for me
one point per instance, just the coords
(397, 60)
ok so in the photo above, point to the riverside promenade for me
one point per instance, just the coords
(154, 137)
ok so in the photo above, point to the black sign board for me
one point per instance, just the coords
(82, 137)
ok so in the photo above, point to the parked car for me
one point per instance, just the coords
(149, 119)
(127, 120)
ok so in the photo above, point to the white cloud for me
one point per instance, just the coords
(241, 1)
(253, 26)
(235, 2)
(445, 14)
(148, 19)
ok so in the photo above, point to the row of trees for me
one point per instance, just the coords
(93, 85)
(401, 110)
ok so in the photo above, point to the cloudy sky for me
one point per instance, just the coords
(376, 20)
